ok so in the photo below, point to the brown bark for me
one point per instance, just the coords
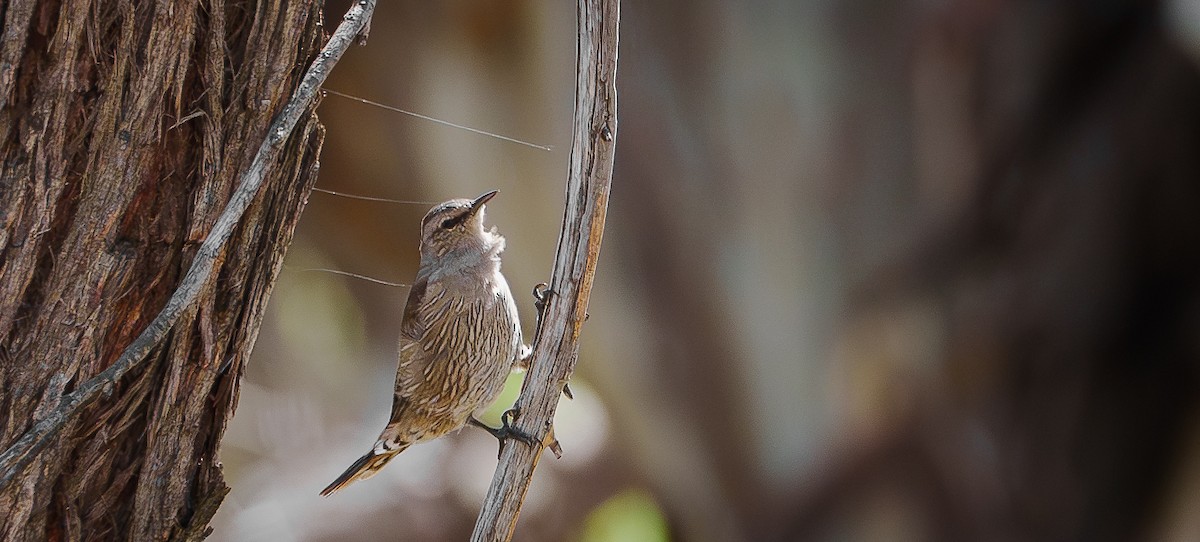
(126, 126)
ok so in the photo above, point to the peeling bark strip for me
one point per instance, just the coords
(125, 126)
(590, 177)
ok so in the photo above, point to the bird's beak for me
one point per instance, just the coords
(479, 201)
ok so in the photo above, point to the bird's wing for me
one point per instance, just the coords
(425, 307)
(412, 326)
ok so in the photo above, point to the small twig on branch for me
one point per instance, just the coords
(21, 453)
(592, 147)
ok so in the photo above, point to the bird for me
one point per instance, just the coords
(460, 337)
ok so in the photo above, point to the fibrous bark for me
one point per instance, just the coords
(126, 126)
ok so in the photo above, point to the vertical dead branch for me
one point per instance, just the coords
(590, 177)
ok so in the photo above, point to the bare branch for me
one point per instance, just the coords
(21, 453)
(592, 149)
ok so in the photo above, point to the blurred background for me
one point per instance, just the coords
(874, 270)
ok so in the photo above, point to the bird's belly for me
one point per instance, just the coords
(466, 368)
(437, 411)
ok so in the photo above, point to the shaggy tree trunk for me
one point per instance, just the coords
(125, 126)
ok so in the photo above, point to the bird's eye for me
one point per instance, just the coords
(448, 223)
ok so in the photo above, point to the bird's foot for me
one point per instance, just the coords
(541, 295)
(505, 431)
(506, 419)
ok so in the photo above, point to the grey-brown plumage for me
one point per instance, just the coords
(459, 337)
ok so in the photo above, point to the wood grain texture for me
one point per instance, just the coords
(555, 349)
(132, 299)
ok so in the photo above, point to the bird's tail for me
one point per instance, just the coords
(365, 467)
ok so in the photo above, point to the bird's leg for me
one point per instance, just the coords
(505, 431)
(541, 295)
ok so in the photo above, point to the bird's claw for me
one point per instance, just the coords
(507, 417)
(541, 295)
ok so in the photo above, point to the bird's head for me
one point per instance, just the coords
(454, 230)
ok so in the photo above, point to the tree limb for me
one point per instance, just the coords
(555, 348)
(22, 452)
